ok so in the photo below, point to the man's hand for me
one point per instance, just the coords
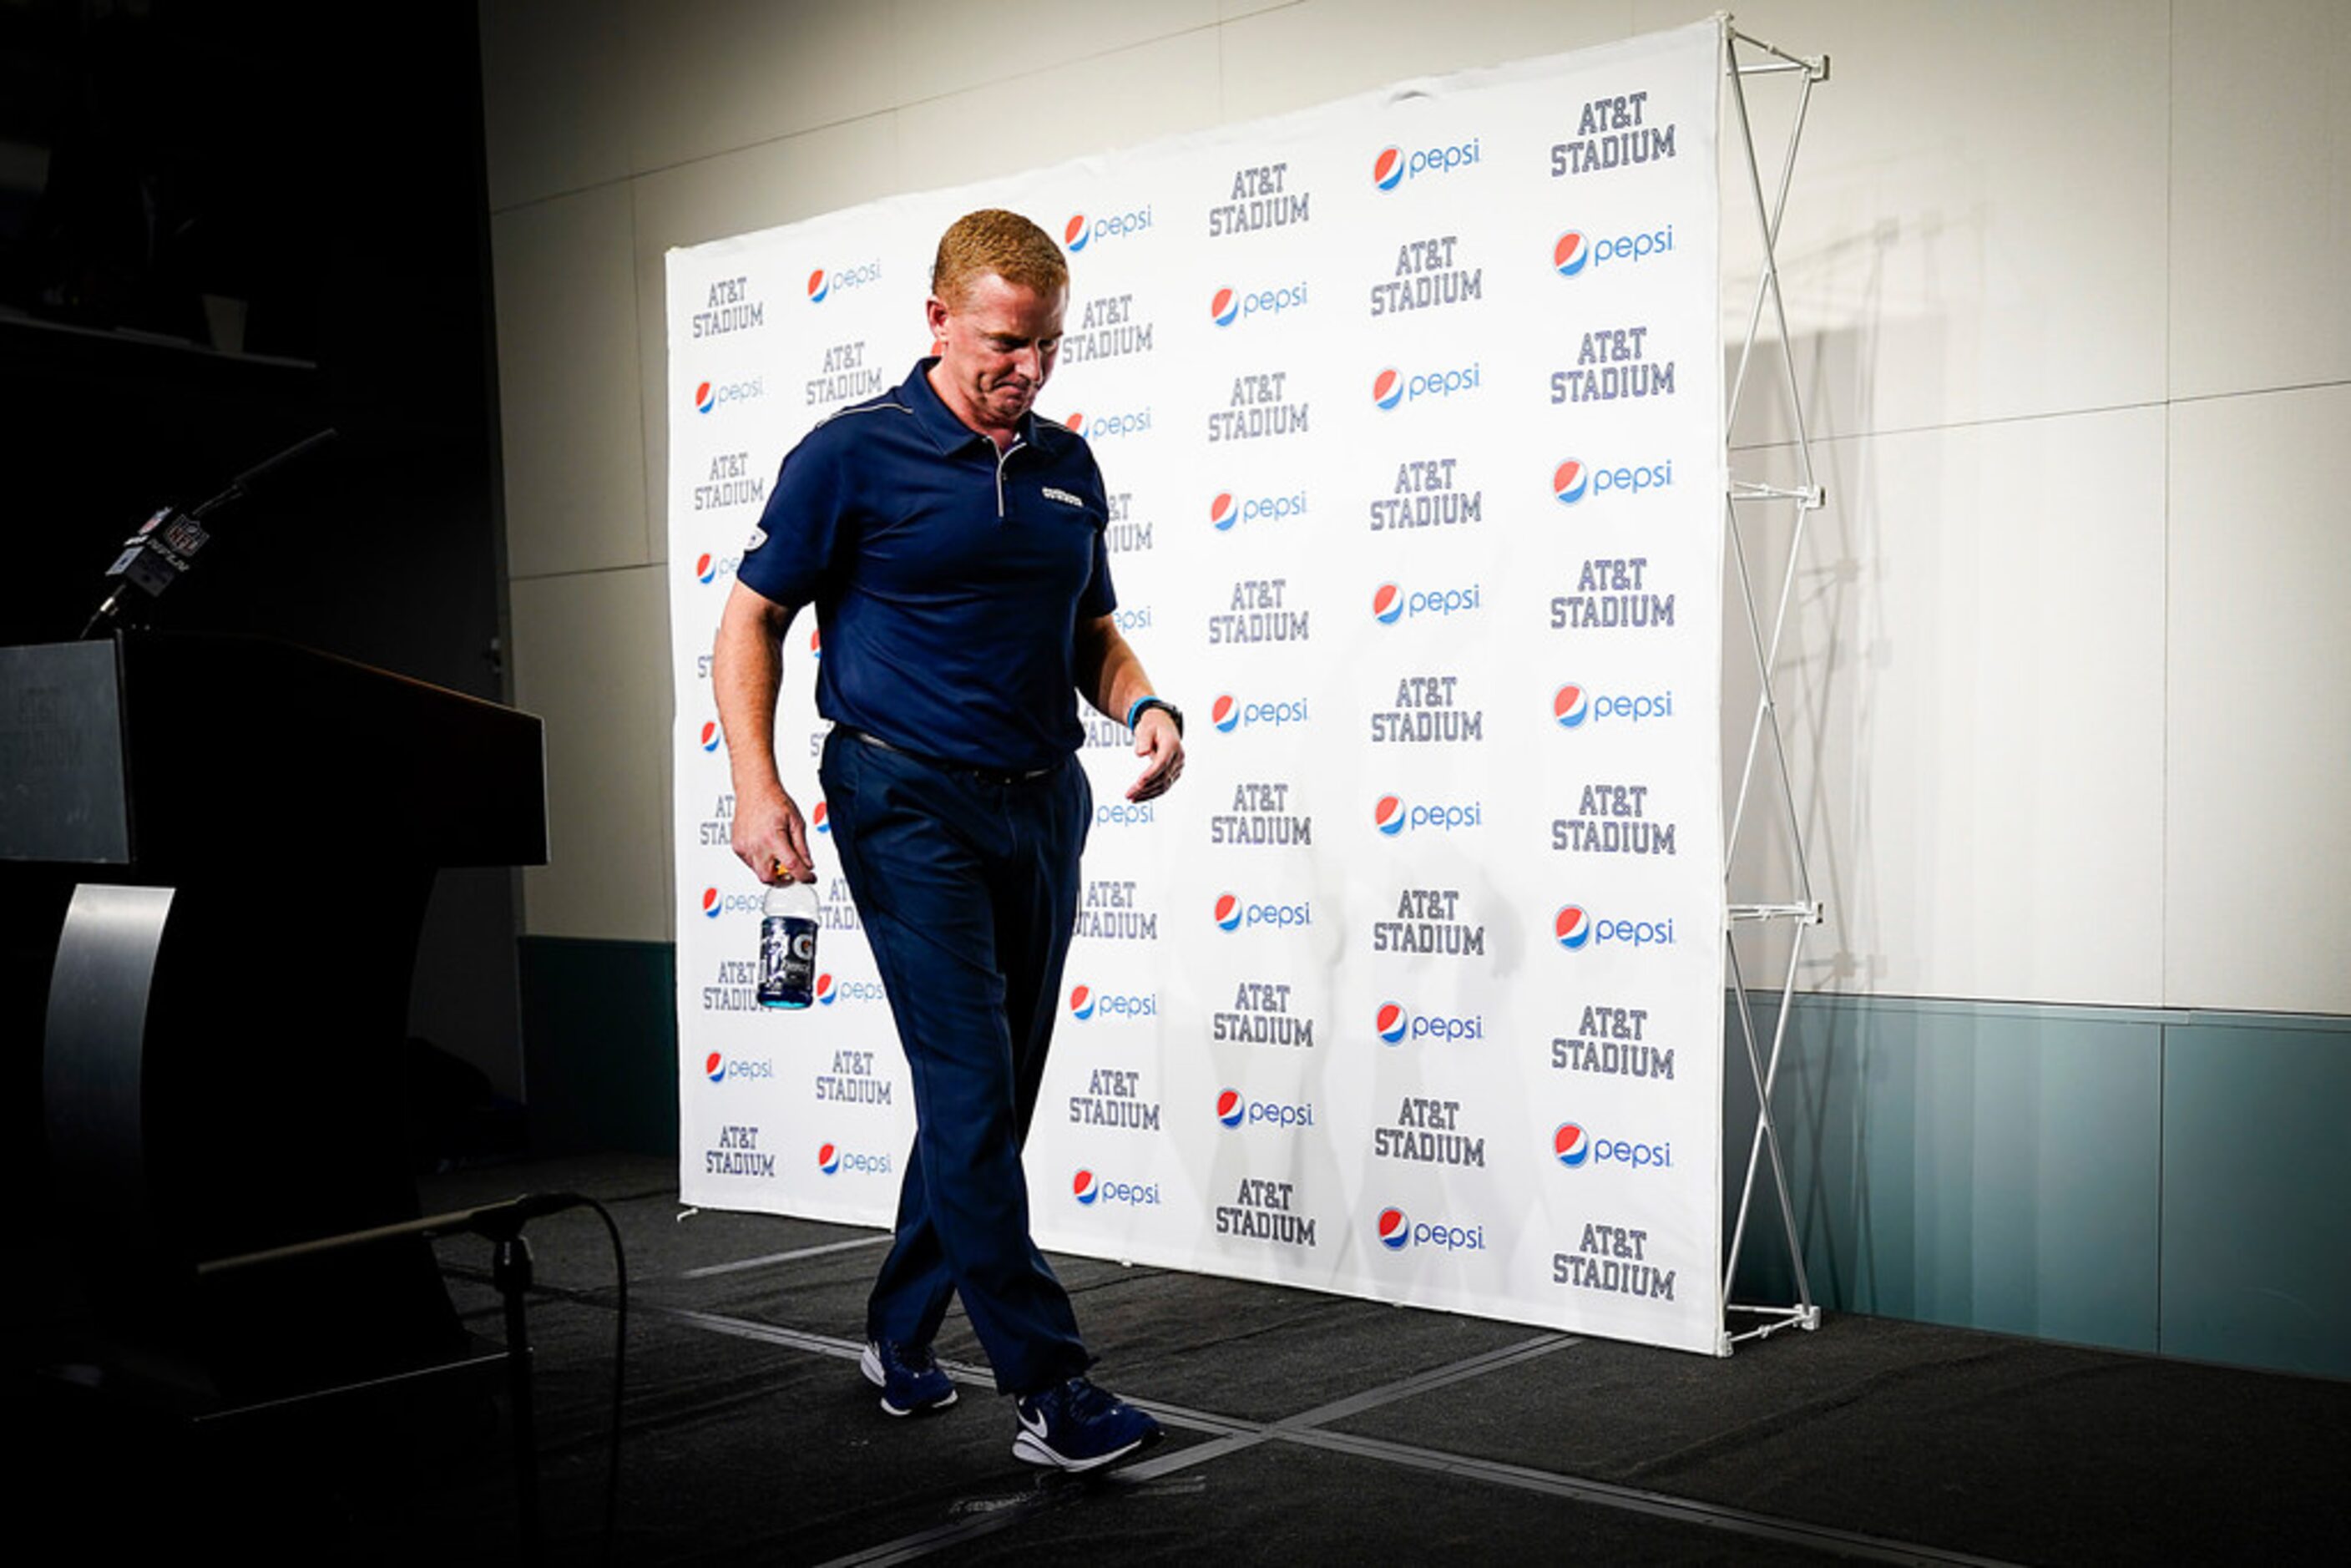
(746, 664)
(1155, 738)
(771, 839)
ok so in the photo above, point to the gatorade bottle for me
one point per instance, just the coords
(787, 946)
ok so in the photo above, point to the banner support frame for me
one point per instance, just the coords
(1803, 910)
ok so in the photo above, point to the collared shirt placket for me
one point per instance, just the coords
(1003, 456)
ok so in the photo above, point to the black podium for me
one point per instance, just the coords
(233, 842)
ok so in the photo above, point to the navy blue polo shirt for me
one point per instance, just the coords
(948, 583)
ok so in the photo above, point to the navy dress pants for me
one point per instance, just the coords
(966, 886)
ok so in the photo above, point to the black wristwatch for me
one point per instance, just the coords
(1144, 704)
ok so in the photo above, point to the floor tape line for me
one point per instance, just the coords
(772, 1259)
(1233, 1434)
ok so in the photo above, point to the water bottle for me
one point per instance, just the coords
(787, 946)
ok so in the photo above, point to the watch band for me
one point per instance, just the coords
(1146, 703)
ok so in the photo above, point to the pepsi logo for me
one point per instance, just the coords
(1394, 1022)
(1395, 1232)
(715, 903)
(706, 568)
(1392, 816)
(1098, 427)
(1113, 1007)
(1227, 511)
(1573, 705)
(820, 819)
(818, 287)
(1571, 1144)
(708, 396)
(816, 644)
(1393, 164)
(1577, 925)
(828, 989)
(1087, 1188)
(1231, 914)
(1575, 479)
(1392, 386)
(746, 1071)
(710, 736)
(1387, 603)
(832, 1159)
(1082, 231)
(1230, 1107)
(1571, 481)
(1228, 306)
(1570, 251)
(1230, 713)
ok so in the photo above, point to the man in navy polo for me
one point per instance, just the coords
(952, 544)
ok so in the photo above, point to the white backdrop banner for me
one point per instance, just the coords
(1410, 412)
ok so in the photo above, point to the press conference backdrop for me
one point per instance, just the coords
(1409, 409)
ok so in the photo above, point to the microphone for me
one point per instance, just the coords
(160, 553)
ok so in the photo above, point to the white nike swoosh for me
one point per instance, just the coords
(1034, 1428)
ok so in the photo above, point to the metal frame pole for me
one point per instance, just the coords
(1803, 910)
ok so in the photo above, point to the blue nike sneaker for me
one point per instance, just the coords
(908, 1376)
(1074, 1426)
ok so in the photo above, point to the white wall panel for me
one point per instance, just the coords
(2258, 820)
(1978, 226)
(553, 72)
(1120, 99)
(737, 192)
(944, 47)
(1972, 715)
(2004, 212)
(1294, 56)
(2260, 194)
(567, 384)
(591, 660)
(714, 76)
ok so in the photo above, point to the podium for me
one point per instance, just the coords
(223, 847)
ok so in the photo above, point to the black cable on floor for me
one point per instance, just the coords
(619, 1370)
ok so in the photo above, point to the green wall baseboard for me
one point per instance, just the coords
(2172, 1182)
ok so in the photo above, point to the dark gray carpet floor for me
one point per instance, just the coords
(1301, 1430)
